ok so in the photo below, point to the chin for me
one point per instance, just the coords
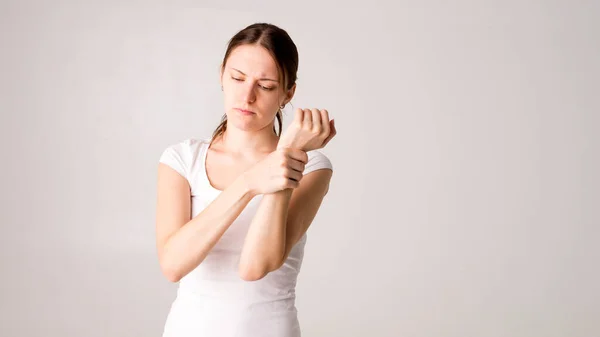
(245, 125)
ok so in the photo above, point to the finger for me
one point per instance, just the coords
(298, 154)
(294, 175)
(289, 183)
(299, 116)
(307, 119)
(332, 133)
(325, 122)
(316, 120)
(296, 165)
(292, 183)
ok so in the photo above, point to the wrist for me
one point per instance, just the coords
(245, 184)
(284, 146)
(282, 143)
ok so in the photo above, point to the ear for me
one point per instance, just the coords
(290, 94)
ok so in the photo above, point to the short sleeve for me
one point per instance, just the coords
(316, 161)
(178, 157)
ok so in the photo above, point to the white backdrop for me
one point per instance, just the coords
(465, 195)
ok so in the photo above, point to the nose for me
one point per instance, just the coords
(248, 91)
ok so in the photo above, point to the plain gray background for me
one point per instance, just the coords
(465, 195)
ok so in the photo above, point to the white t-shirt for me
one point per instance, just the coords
(212, 300)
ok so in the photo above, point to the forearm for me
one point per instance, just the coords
(264, 246)
(188, 247)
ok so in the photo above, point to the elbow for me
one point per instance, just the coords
(172, 277)
(252, 275)
(170, 272)
(252, 272)
(256, 271)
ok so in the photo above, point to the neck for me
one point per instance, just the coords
(249, 142)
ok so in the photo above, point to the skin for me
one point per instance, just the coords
(249, 159)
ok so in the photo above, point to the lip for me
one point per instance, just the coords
(245, 112)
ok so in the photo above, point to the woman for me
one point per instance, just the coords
(233, 210)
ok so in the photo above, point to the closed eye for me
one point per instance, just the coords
(241, 80)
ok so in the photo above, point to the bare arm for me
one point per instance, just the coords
(284, 216)
(266, 238)
(182, 242)
(279, 223)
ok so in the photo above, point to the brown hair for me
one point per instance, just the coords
(282, 49)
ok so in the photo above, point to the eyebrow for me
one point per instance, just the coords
(261, 79)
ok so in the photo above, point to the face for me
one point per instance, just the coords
(251, 87)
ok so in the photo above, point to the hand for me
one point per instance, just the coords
(310, 130)
(280, 170)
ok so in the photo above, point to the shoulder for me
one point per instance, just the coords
(317, 160)
(181, 155)
(188, 144)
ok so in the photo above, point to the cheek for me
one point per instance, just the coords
(270, 99)
(230, 96)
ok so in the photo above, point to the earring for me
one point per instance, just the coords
(282, 106)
